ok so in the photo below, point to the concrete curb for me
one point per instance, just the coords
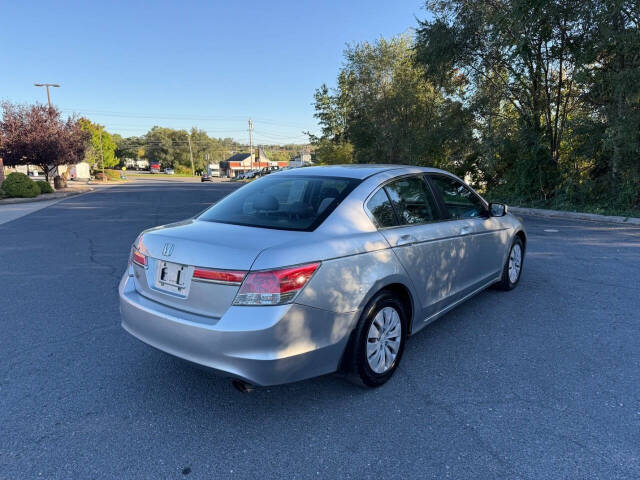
(590, 217)
(43, 197)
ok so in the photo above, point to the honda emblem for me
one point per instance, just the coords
(168, 249)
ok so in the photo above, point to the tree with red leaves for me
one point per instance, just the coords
(37, 135)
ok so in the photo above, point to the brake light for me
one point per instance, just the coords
(232, 277)
(138, 258)
(274, 287)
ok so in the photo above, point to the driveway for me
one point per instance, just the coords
(541, 382)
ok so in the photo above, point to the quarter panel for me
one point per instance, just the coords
(346, 284)
(319, 247)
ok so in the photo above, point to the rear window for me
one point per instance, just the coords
(282, 202)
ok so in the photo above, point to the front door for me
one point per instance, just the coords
(483, 236)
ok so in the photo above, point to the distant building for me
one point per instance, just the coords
(303, 159)
(78, 171)
(244, 162)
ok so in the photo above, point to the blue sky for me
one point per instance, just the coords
(131, 65)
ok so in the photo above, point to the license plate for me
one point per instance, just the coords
(171, 277)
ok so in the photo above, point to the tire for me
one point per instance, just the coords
(358, 366)
(509, 281)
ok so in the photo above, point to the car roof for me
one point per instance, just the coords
(359, 171)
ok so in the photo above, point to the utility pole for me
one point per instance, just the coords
(104, 179)
(193, 172)
(55, 85)
(251, 141)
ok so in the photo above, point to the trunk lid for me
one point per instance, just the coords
(195, 243)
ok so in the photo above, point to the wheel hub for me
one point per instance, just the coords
(383, 340)
(515, 263)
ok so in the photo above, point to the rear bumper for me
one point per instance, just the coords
(262, 345)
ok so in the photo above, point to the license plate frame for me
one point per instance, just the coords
(171, 277)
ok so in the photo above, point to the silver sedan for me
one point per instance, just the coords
(316, 270)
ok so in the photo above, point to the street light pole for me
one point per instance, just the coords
(55, 85)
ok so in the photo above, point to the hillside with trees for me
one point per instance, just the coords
(173, 148)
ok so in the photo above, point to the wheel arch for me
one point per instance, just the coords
(400, 287)
(523, 237)
(404, 295)
(397, 286)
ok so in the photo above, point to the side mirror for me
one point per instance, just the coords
(498, 209)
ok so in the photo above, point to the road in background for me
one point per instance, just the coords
(541, 382)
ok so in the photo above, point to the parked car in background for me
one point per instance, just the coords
(246, 175)
(316, 270)
(206, 178)
(154, 167)
(169, 171)
(268, 170)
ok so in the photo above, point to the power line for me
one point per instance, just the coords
(176, 116)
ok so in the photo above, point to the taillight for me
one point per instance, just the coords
(138, 258)
(274, 287)
(229, 277)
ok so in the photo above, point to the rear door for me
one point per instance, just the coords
(430, 250)
(483, 236)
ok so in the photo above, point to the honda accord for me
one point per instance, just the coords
(315, 270)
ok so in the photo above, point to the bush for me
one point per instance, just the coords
(182, 170)
(113, 174)
(19, 185)
(44, 187)
(110, 175)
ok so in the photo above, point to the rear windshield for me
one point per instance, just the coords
(284, 202)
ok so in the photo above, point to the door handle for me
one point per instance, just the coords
(465, 231)
(405, 240)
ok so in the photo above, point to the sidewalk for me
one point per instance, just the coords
(591, 217)
(12, 212)
(13, 208)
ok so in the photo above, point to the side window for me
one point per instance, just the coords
(412, 201)
(459, 200)
(381, 209)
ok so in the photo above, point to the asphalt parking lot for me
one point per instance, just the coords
(541, 382)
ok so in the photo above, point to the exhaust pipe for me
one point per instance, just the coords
(242, 387)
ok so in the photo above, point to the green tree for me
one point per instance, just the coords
(610, 75)
(333, 153)
(159, 146)
(279, 155)
(129, 147)
(93, 156)
(554, 87)
(383, 110)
